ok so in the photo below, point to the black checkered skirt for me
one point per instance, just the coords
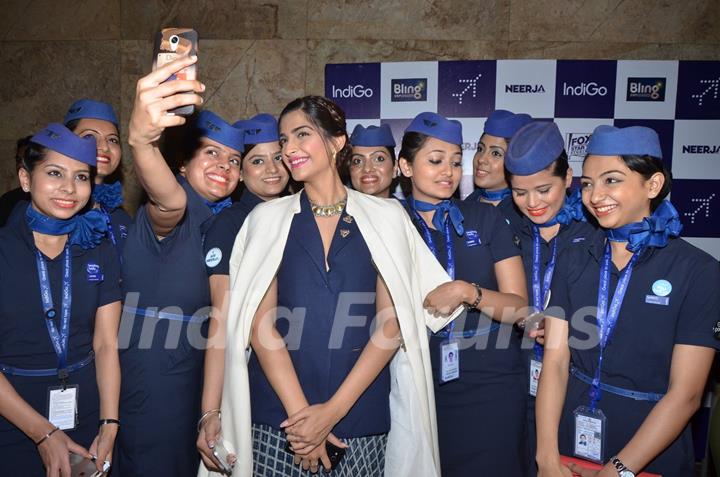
(364, 458)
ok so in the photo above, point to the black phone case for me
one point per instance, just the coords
(335, 453)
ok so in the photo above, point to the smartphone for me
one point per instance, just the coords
(536, 321)
(221, 454)
(82, 467)
(170, 44)
(335, 453)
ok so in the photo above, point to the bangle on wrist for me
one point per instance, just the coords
(206, 415)
(46, 436)
(475, 304)
(102, 422)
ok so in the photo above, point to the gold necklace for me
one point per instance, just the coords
(328, 210)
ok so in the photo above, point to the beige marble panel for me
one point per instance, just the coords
(41, 79)
(408, 19)
(642, 21)
(609, 50)
(321, 53)
(216, 19)
(39, 20)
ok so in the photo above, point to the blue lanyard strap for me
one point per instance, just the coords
(449, 248)
(541, 289)
(607, 316)
(59, 339)
(109, 225)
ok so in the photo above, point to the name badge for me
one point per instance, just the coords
(449, 361)
(63, 406)
(472, 239)
(657, 300)
(93, 272)
(535, 370)
(589, 434)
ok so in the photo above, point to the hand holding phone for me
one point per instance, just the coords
(83, 467)
(221, 454)
(171, 44)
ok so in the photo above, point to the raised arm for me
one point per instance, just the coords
(154, 97)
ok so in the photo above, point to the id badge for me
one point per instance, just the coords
(63, 406)
(589, 434)
(535, 370)
(449, 361)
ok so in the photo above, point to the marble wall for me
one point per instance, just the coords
(256, 55)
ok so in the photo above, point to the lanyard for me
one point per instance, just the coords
(59, 339)
(607, 316)
(109, 225)
(449, 249)
(540, 290)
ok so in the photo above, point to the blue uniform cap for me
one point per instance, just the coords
(633, 140)
(57, 137)
(503, 123)
(259, 129)
(432, 124)
(372, 136)
(90, 109)
(216, 128)
(534, 147)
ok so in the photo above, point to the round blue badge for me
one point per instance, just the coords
(213, 257)
(662, 287)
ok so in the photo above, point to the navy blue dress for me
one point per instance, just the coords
(507, 207)
(573, 235)
(162, 356)
(639, 354)
(324, 346)
(118, 227)
(24, 340)
(220, 238)
(481, 415)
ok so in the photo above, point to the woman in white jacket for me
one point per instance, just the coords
(308, 272)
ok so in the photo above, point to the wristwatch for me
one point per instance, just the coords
(622, 470)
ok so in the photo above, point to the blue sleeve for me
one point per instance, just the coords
(700, 309)
(109, 291)
(502, 240)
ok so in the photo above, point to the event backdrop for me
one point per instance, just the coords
(679, 99)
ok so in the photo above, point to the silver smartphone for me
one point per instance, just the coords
(221, 454)
(82, 467)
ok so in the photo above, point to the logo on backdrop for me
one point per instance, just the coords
(698, 90)
(585, 89)
(408, 89)
(710, 91)
(355, 88)
(646, 89)
(524, 88)
(466, 89)
(697, 202)
(576, 144)
(700, 149)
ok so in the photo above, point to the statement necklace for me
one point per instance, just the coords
(328, 210)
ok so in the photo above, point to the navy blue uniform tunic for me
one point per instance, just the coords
(574, 235)
(481, 415)
(162, 358)
(639, 353)
(507, 207)
(24, 339)
(220, 237)
(338, 306)
(119, 226)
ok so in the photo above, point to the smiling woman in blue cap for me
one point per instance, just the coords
(60, 296)
(90, 118)
(479, 393)
(629, 328)
(488, 171)
(265, 178)
(165, 282)
(372, 163)
(537, 169)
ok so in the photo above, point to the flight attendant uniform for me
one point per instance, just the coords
(108, 197)
(324, 347)
(670, 298)
(162, 333)
(534, 148)
(503, 124)
(481, 411)
(220, 238)
(28, 358)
